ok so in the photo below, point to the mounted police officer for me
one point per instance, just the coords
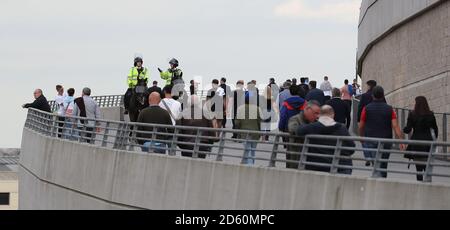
(174, 77)
(138, 76)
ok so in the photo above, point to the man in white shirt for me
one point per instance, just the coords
(217, 95)
(170, 105)
(59, 100)
(326, 88)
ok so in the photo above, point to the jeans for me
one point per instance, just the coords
(156, 147)
(69, 132)
(249, 152)
(372, 155)
(61, 121)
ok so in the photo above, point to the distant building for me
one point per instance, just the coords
(9, 186)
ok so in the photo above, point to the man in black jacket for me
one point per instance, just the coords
(40, 103)
(341, 109)
(315, 93)
(154, 115)
(366, 98)
(155, 88)
(327, 126)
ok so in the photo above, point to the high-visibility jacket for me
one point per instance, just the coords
(171, 75)
(134, 76)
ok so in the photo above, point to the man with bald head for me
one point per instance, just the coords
(40, 102)
(329, 127)
(153, 115)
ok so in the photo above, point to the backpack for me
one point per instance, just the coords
(350, 90)
(81, 106)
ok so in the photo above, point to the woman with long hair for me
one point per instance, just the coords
(422, 123)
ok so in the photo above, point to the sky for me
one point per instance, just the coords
(93, 43)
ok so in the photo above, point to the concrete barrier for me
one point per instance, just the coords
(112, 113)
(57, 174)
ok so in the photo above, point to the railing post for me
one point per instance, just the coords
(445, 132)
(106, 134)
(303, 157)
(335, 161)
(427, 177)
(174, 144)
(196, 146)
(273, 158)
(93, 134)
(376, 161)
(133, 137)
(54, 129)
(82, 130)
(221, 146)
(119, 135)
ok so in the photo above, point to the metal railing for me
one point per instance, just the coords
(332, 154)
(9, 160)
(117, 100)
(102, 101)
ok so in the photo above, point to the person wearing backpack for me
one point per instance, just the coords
(291, 107)
(172, 106)
(68, 110)
(87, 108)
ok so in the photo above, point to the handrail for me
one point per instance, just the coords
(323, 153)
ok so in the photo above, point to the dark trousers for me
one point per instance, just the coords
(61, 121)
(189, 154)
(420, 169)
(224, 122)
(89, 134)
(234, 127)
(349, 103)
(86, 134)
(286, 140)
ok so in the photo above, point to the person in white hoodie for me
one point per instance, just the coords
(169, 104)
(327, 126)
(68, 110)
(59, 100)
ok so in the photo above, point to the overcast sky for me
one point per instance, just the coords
(93, 43)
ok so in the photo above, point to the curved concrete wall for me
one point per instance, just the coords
(405, 46)
(57, 174)
(378, 17)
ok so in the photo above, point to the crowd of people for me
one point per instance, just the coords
(298, 109)
(68, 107)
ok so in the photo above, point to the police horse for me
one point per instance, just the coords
(138, 100)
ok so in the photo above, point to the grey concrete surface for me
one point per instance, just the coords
(57, 174)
